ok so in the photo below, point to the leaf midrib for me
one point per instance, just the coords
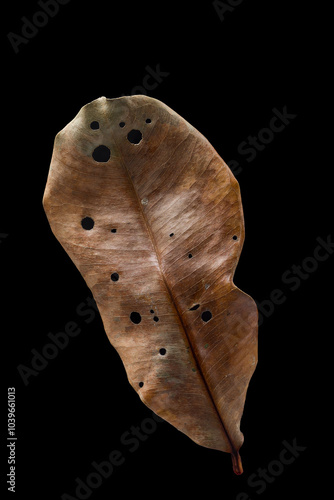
(152, 239)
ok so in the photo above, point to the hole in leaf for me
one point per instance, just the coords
(162, 351)
(135, 318)
(114, 277)
(194, 307)
(141, 384)
(87, 223)
(113, 230)
(122, 124)
(206, 316)
(135, 136)
(101, 154)
(148, 120)
(235, 237)
(95, 125)
(155, 318)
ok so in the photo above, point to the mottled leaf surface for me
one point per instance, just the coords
(152, 218)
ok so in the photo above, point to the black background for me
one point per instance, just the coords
(225, 78)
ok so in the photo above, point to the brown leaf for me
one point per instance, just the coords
(152, 218)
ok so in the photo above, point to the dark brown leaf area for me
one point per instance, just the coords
(152, 218)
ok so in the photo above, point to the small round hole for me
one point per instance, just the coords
(151, 311)
(95, 125)
(162, 351)
(148, 120)
(87, 223)
(235, 237)
(135, 136)
(135, 318)
(190, 255)
(122, 124)
(101, 154)
(114, 277)
(171, 234)
(113, 230)
(141, 384)
(156, 319)
(206, 316)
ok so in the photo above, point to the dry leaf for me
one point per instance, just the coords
(152, 218)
